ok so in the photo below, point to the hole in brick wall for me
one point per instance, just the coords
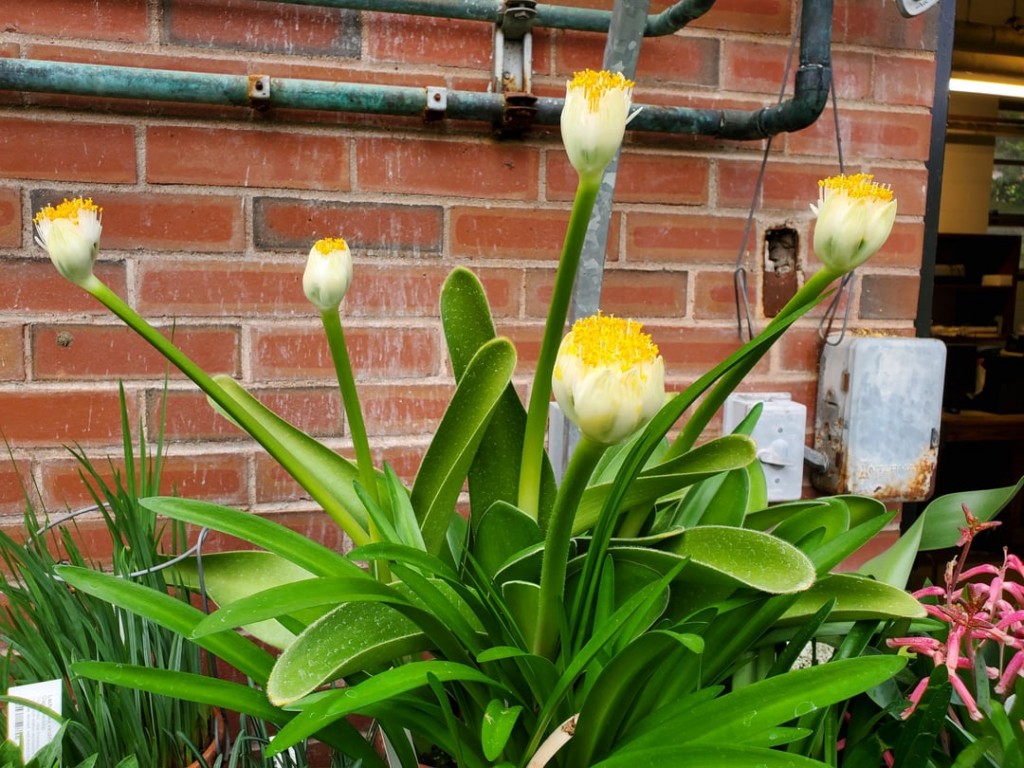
(781, 255)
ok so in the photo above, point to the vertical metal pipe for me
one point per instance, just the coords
(936, 159)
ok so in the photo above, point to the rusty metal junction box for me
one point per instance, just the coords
(878, 414)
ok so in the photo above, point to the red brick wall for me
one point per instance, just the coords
(209, 213)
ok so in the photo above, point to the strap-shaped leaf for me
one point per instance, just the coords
(704, 756)
(447, 460)
(740, 557)
(494, 474)
(377, 689)
(282, 541)
(353, 637)
(714, 457)
(502, 531)
(169, 612)
(856, 598)
(335, 473)
(229, 577)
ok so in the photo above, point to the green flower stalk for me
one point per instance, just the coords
(855, 217)
(325, 282)
(593, 123)
(70, 234)
(610, 381)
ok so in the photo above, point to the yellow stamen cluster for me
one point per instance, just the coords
(858, 185)
(328, 244)
(601, 340)
(597, 84)
(69, 209)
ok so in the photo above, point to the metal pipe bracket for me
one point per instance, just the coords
(259, 91)
(437, 104)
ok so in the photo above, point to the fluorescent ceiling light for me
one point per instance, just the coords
(986, 87)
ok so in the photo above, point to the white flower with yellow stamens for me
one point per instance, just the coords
(70, 234)
(855, 217)
(328, 273)
(594, 119)
(609, 378)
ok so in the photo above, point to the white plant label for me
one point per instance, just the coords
(30, 728)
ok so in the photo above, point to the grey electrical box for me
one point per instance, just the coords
(878, 414)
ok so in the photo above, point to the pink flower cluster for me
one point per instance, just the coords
(980, 605)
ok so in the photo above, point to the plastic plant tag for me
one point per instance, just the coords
(28, 727)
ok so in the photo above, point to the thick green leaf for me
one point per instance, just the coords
(494, 473)
(502, 531)
(944, 516)
(447, 460)
(172, 613)
(292, 546)
(402, 513)
(523, 600)
(740, 557)
(920, 733)
(740, 715)
(707, 756)
(856, 598)
(289, 598)
(497, 726)
(353, 637)
(832, 519)
(716, 456)
(764, 519)
(379, 688)
(229, 577)
(335, 472)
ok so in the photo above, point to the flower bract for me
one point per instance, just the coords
(855, 217)
(609, 378)
(328, 273)
(594, 119)
(70, 234)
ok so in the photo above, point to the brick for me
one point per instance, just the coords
(755, 66)
(404, 459)
(797, 350)
(401, 409)
(49, 417)
(881, 135)
(672, 59)
(421, 40)
(315, 410)
(12, 355)
(88, 352)
(852, 74)
(246, 158)
(692, 351)
(462, 168)
(667, 179)
(214, 477)
(685, 238)
(889, 297)
(218, 288)
(526, 336)
(10, 218)
(375, 353)
(148, 221)
(274, 485)
(904, 80)
(516, 233)
(759, 16)
(374, 229)
(15, 481)
(866, 23)
(904, 247)
(625, 293)
(714, 296)
(250, 25)
(119, 20)
(95, 152)
(33, 285)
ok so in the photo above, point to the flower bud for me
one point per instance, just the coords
(609, 378)
(328, 273)
(594, 119)
(70, 234)
(855, 217)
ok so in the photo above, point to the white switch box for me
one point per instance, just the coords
(779, 435)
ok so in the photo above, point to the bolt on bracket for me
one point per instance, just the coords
(513, 66)
(437, 103)
(259, 91)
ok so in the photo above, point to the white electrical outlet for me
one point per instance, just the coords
(779, 435)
